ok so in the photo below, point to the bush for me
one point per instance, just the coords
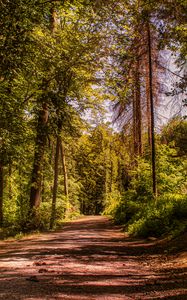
(168, 215)
(137, 209)
(112, 201)
(123, 208)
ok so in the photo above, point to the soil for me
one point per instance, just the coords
(90, 258)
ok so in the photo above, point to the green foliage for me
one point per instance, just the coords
(140, 185)
(44, 214)
(137, 208)
(126, 210)
(72, 207)
(168, 215)
(172, 175)
(97, 169)
(113, 201)
(175, 135)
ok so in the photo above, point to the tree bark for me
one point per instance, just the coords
(40, 144)
(111, 171)
(64, 169)
(137, 115)
(153, 152)
(148, 105)
(10, 182)
(55, 185)
(134, 124)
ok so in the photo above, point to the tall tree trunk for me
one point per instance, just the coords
(111, 171)
(10, 182)
(58, 139)
(40, 144)
(55, 185)
(153, 152)
(41, 139)
(1, 193)
(64, 169)
(134, 125)
(148, 105)
(137, 114)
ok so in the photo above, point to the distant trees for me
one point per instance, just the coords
(100, 158)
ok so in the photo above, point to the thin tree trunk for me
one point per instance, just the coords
(10, 182)
(137, 93)
(119, 180)
(153, 152)
(55, 185)
(137, 115)
(148, 105)
(43, 188)
(64, 169)
(111, 171)
(134, 125)
(138, 110)
(106, 170)
(66, 192)
(1, 193)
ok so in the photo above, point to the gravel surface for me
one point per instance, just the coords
(90, 258)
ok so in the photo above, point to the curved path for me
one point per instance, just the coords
(89, 259)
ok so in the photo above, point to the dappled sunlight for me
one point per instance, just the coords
(80, 263)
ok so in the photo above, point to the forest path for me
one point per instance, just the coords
(88, 259)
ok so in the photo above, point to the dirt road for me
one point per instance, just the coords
(89, 259)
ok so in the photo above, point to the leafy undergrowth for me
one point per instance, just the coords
(166, 216)
(139, 211)
(20, 232)
(19, 227)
